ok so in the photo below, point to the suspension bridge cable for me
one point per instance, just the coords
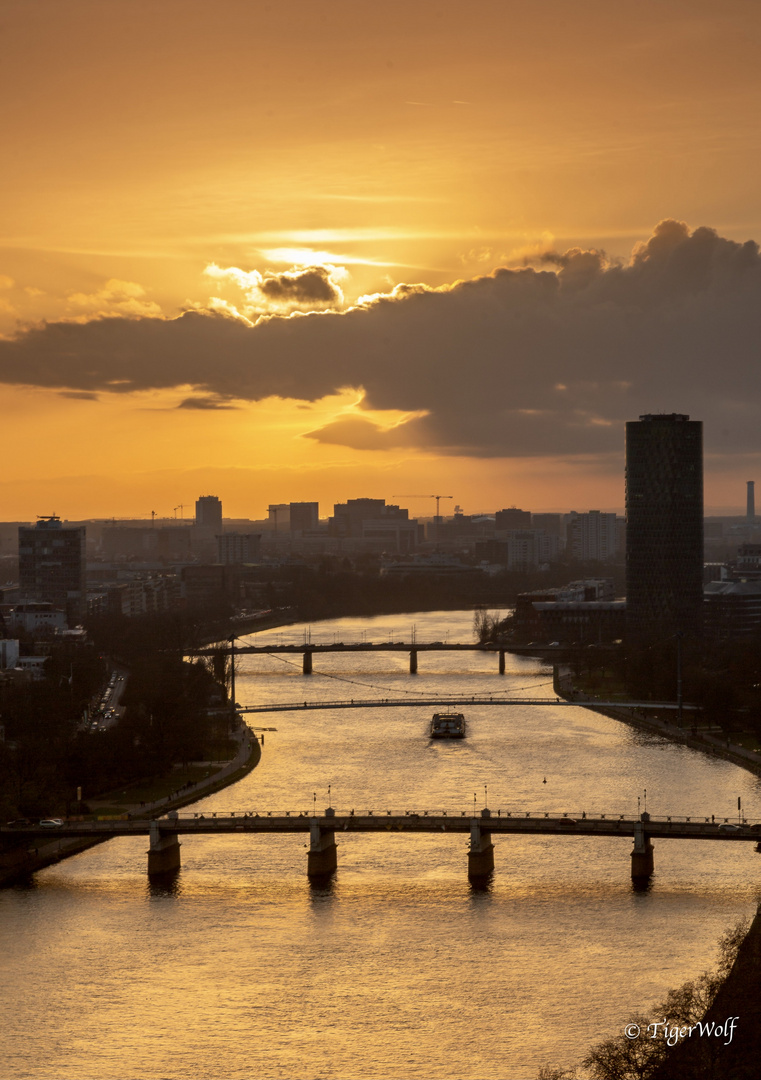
(388, 689)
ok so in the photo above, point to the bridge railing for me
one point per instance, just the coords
(499, 813)
(455, 699)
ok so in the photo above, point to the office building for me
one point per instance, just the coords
(664, 530)
(52, 565)
(209, 513)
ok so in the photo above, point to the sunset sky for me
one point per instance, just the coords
(308, 251)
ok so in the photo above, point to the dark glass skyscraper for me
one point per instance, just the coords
(664, 527)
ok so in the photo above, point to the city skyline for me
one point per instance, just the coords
(301, 256)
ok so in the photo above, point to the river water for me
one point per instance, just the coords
(400, 968)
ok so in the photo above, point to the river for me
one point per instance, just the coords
(399, 969)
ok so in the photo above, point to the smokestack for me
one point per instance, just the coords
(751, 511)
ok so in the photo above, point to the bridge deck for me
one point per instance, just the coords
(378, 646)
(391, 703)
(385, 822)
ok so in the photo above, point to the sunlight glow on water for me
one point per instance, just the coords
(399, 968)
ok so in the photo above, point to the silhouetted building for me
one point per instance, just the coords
(371, 525)
(582, 612)
(732, 609)
(664, 538)
(512, 518)
(52, 565)
(520, 549)
(303, 516)
(236, 548)
(550, 523)
(750, 512)
(209, 513)
(592, 537)
(280, 516)
(147, 543)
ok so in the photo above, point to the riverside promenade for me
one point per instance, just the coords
(16, 864)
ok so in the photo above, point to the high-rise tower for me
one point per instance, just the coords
(52, 565)
(664, 531)
(750, 511)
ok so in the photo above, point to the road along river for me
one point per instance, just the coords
(400, 968)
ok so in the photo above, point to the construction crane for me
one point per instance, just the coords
(181, 507)
(438, 498)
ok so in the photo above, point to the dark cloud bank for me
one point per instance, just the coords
(522, 362)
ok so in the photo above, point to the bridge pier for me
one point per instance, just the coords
(306, 666)
(413, 661)
(164, 851)
(502, 661)
(322, 856)
(481, 853)
(642, 854)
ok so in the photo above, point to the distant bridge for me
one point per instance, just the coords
(307, 650)
(165, 833)
(456, 702)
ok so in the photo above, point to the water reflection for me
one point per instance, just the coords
(167, 885)
(323, 888)
(394, 960)
(481, 887)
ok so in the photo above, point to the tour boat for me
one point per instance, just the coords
(448, 726)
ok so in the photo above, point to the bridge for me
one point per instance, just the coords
(454, 702)
(164, 833)
(307, 650)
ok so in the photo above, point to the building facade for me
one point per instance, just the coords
(303, 516)
(664, 530)
(209, 513)
(234, 548)
(52, 565)
(592, 537)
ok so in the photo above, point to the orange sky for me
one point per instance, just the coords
(161, 158)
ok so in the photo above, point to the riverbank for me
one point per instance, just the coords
(728, 1057)
(702, 740)
(17, 866)
(706, 1058)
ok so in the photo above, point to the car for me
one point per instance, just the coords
(726, 827)
(52, 823)
(18, 823)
